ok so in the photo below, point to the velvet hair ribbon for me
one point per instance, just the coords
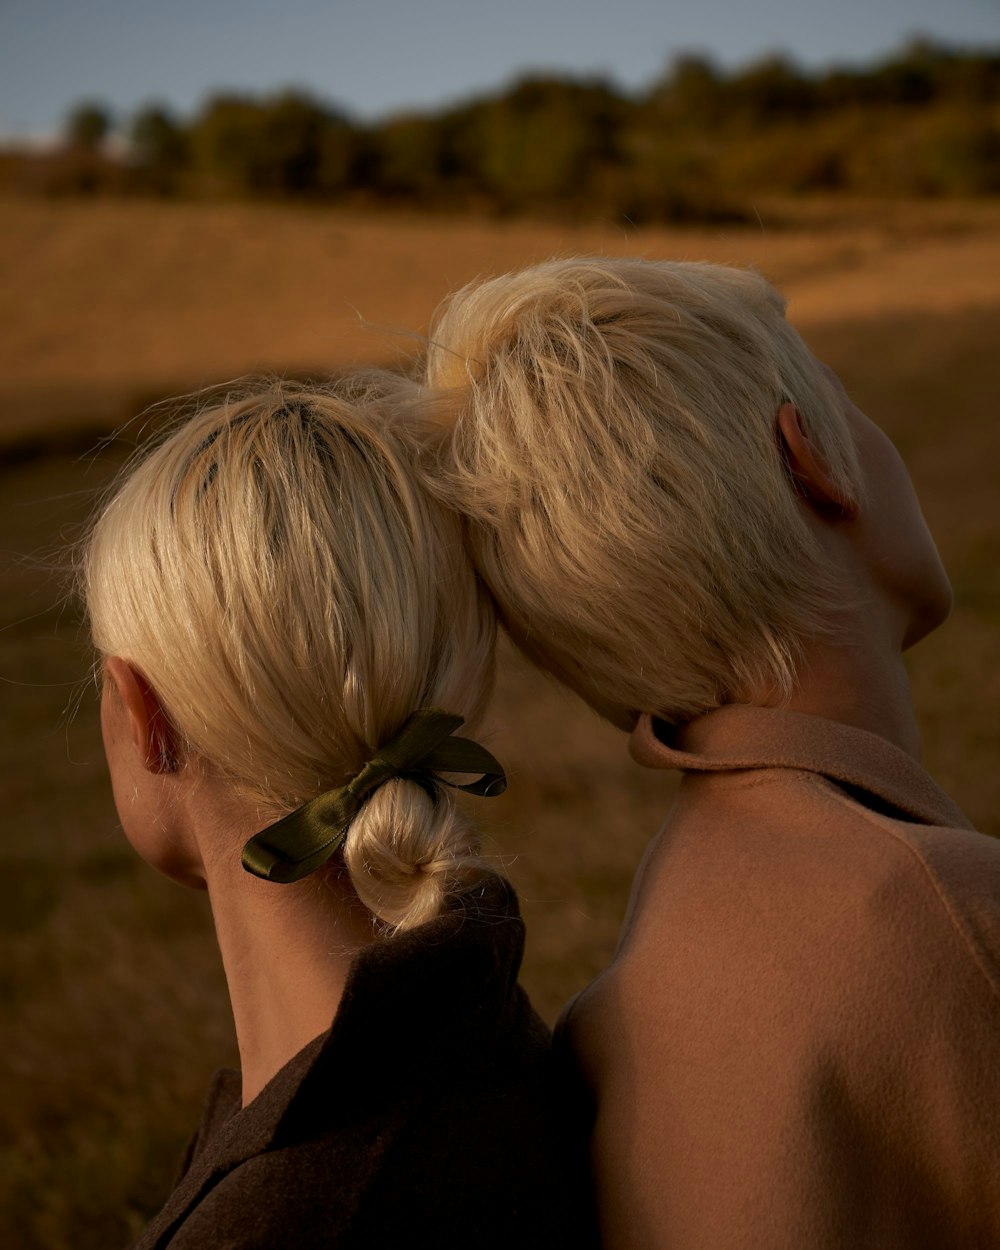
(305, 839)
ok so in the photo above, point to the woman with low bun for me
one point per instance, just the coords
(290, 636)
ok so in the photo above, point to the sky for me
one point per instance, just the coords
(377, 57)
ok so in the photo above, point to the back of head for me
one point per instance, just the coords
(275, 574)
(608, 428)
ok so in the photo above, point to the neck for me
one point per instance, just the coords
(286, 950)
(856, 687)
(860, 678)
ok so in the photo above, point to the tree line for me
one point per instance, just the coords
(698, 144)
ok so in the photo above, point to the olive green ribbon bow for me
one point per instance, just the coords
(305, 839)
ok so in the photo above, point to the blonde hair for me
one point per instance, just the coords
(608, 429)
(276, 575)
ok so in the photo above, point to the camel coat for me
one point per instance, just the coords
(797, 1044)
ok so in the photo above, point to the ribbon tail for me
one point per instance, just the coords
(303, 840)
(462, 755)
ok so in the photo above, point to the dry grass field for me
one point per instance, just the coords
(114, 1003)
(108, 303)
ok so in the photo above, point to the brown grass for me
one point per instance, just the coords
(115, 1008)
(110, 302)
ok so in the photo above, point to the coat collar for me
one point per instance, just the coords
(448, 987)
(739, 737)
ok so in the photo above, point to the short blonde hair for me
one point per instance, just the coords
(275, 573)
(608, 429)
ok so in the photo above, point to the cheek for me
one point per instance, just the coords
(919, 574)
(930, 588)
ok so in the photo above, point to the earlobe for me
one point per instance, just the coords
(809, 468)
(149, 728)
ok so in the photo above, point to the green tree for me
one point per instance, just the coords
(770, 90)
(286, 145)
(411, 159)
(543, 143)
(160, 149)
(691, 91)
(912, 77)
(87, 126)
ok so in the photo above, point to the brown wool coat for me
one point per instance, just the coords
(798, 1042)
(428, 1116)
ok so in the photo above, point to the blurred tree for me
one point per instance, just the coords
(87, 126)
(840, 88)
(410, 159)
(340, 148)
(289, 159)
(543, 143)
(672, 175)
(158, 139)
(285, 145)
(160, 150)
(770, 90)
(691, 90)
(696, 146)
(223, 139)
(975, 79)
(914, 76)
(958, 153)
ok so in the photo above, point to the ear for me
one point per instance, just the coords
(809, 467)
(151, 732)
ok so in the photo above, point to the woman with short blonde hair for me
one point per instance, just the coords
(682, 515)
(290, 635)
(608, 417)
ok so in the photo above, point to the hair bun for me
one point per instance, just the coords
(406, 852)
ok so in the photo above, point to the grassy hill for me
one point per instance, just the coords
(115, 1009)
